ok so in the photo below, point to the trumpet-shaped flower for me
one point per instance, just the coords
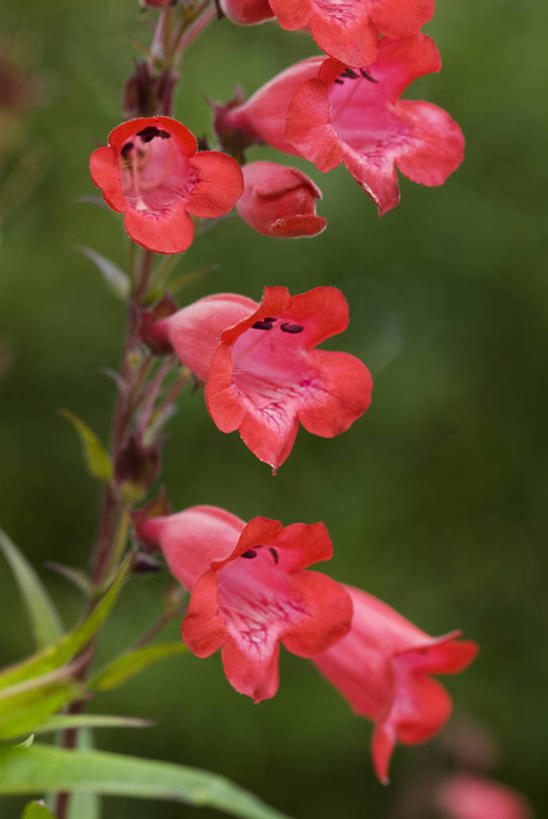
(262, 370)
(249, 590)
(330, 113)
(349, 31)
(152, 173)
(383, 668)
(279, 201)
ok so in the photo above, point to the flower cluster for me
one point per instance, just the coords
(260, 364)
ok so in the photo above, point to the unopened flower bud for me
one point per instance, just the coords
(136, 468)
(279, 201)
(247, 12)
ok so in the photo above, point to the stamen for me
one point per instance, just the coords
(338, 81)
(147, 134)
(127, 149)
(250, 554)
(291, 328)
(367, 76)
(274, 554)
(262, 325)
(269, 318)
(350, 73)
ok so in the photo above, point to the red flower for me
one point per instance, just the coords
(249, 590)
(350, 31)
(263, 374)
(247, 12)
(382, 667)
(330, 114)
(466, 796)
(151, 172)
(279, 201)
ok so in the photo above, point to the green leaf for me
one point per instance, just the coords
(42, 768)
(65, 649)
(44, 620)
(84, 805)
(126, 666)
(113, 275)
(97, 459)
(64, 721)
(25, 706)
(36, 810)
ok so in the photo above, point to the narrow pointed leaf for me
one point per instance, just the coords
(65, 649)
(113, 275)
(36, 810)
(75, 576)
(84, 805)
(126, 666)
(64, 721)
(25, 705)
(43, 767)
(43, 617)
(98, 461)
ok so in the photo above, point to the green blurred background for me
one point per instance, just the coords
(434, 499)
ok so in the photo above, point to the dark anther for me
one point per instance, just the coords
(274, 554)
(338, 81)
(367, 76)
(291, 328)
(250, 554)
(147, 134)
(262, 325)
(269, 318)
(127, 149)
(350, 73)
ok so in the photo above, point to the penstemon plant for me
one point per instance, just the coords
(245, 587)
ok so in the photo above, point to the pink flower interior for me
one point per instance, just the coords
(256, 601)
(153, 170)
(360, 114)
(272, 369)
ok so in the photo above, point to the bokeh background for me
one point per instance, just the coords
(435, 499)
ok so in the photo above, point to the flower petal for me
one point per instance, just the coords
(300, 545)
(344, 31)
(170, 231)
(344, 395)
(184, 138)
(270, 436)
(323, 312)
(377, 178)
(103, 166)
(218, 186)
(437, 145)
(401, 18)
(382, 747)
(292, 14)
(399, 62)
(309, 127)
(253, 671)
(202, 630)
(328, 614)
